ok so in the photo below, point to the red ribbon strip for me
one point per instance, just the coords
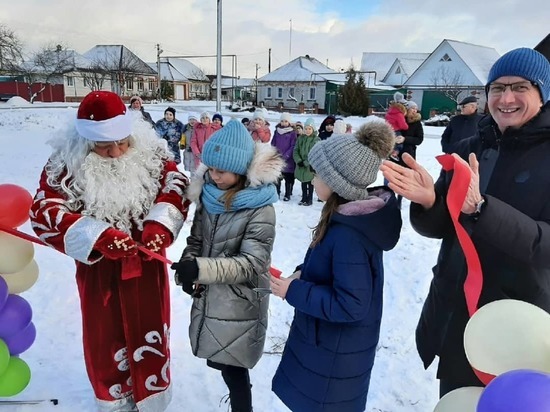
(33, 239)
(455, 199)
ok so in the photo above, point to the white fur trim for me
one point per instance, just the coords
(168, 216)
(81, 237)
(110, 130)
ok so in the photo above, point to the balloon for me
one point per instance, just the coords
(15, 378)
(21, 281)
(22, 340)
(517, 391)
(508, 334)
(14, 316)
(4, 356)
(15, 253)
(4, 292)
(460, 400)
(15, 204)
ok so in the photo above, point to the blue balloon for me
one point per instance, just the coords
(21, 341)
(519, 390)
(4, 292)
(14, 316)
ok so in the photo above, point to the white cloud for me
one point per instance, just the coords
(251, 28)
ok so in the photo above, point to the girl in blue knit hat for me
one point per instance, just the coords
(228, 254)
(337, 291)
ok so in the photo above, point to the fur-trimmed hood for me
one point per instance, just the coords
(265, 168)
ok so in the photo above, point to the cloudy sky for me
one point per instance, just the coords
(337, 32)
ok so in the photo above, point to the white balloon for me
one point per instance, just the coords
(15, 253)
(21, 281)
(460, 400)
(508, 334)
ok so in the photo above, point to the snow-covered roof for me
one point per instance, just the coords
(169, 72)
(185, 68)
(301, 69)
(479, 59)
(61, 61)
(469, 63)
(381, 62)
(116, 55)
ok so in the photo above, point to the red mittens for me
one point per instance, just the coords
(114, 244)
(155, 236)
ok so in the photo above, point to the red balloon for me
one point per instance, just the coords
(15, 204)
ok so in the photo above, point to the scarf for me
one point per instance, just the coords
(248, 198)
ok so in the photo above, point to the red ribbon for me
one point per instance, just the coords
(33, 239)
(455, 200)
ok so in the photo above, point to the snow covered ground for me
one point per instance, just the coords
(398, 384)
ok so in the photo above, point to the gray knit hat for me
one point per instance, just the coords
(348, 163)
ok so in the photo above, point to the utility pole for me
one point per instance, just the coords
(269, 61)
(256, 85)
(290, 42)
(159, 51)
(219, 60)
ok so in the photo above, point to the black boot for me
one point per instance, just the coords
(288, 191)
(240, 393)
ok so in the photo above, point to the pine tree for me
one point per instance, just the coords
(354, 96)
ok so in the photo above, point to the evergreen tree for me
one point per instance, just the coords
(354, 96)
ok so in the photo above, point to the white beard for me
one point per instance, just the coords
(118, 191)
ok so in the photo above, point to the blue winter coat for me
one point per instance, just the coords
(171, 132)
(284, 139)
(329, 354)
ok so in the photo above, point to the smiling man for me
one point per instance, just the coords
(506, 212)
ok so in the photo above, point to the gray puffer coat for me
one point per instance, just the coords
(233, 250)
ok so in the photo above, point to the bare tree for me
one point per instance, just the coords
(47, 66)
(10, 50)
(447, 81)
(118, 64)
(95, 76)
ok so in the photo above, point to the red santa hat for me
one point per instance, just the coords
(102, 117)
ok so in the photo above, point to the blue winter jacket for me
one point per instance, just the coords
(171, 132)
(329, 354)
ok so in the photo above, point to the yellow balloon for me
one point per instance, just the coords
(15, 253)
(21, 281)
(460, 400)
(508, 334)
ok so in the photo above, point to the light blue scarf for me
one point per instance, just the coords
(248, 198)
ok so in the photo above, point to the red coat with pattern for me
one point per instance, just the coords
(125, 303)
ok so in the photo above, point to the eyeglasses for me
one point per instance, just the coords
(107, 145)
(498, 89)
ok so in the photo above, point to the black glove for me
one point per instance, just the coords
(188, 288)
(301, 164)
(186, 271)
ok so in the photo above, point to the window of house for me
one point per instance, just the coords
(312, 93)
(152, 84)
(130, 84)
(279, 92)
(85, 81)
(398, 70)
(140, 85)
(70, 81)
(445, 58)
(291, 92)
(268, 93)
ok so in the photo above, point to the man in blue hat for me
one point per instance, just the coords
(462, 125)
(506, 212)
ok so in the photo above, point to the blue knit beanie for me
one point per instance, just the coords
(231, 149)
(526, 63)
